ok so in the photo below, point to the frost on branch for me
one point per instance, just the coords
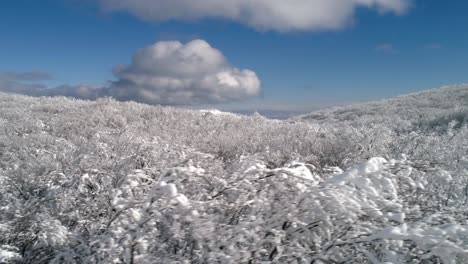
(109, 182)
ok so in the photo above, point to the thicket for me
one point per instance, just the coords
(111, 182)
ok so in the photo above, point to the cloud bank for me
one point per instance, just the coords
(277, 15)
(23, 83)
(25, 76)
(168, 73)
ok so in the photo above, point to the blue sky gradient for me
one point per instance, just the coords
(379, 56)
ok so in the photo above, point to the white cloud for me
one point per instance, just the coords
(23, 76)
(386, 48)
(278, 15)
(434, 46)
(170, 72)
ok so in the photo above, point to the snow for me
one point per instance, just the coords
(443, 240)
(8, 253)
(165, 185)
(298, 170)
(365, 177)
(216, 112)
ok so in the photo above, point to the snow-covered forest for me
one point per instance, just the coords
(111, 182)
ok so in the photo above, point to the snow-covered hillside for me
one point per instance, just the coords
(112, 182)
(427, 109)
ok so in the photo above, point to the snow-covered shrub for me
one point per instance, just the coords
(110, 182)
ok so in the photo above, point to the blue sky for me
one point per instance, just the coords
(375, 55)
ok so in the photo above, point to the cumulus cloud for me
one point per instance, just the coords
(168, 72)
(278, 15)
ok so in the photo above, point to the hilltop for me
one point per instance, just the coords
(434, 107)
